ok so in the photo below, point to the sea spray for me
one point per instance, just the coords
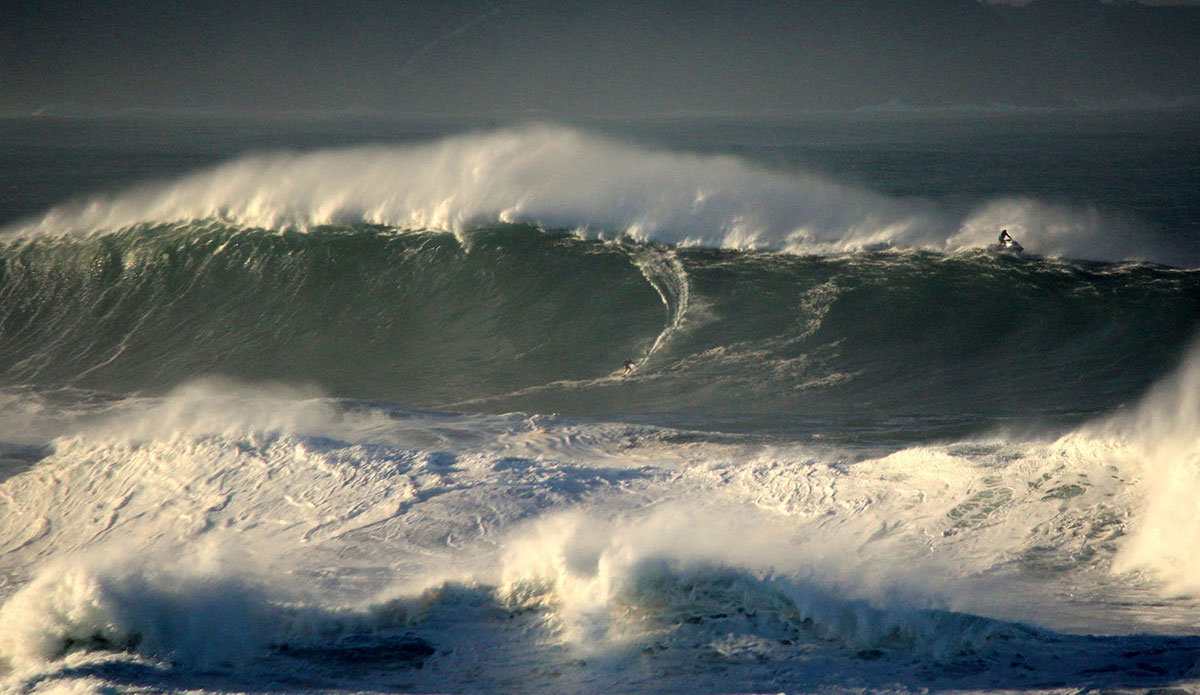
(198, 619)
(558, 178)
(1160, 442)
(627, 583)
(204, 608)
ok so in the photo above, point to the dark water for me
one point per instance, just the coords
(748, 339)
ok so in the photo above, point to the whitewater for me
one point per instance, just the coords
(558, 178)
(353, 419)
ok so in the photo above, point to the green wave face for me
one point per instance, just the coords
(510, 317)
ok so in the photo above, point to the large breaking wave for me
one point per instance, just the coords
(882, 459)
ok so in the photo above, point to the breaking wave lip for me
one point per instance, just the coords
(560, 178)
(1160, 440)
(194, 615)
(606, 588)
(206, 618)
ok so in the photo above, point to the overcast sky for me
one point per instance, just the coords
(613, 58)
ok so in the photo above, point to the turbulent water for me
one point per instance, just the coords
(355, 419)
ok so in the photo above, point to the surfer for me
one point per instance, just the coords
(1007, 243)
(629, 366)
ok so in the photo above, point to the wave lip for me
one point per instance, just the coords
(559, 178)
(649, 581)
(544, 175)
(195, 616)
(201, 621)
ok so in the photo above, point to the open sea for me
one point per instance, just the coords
(338, 405)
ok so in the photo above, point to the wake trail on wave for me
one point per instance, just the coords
(559, 178)
(666, 274)
(663, 270)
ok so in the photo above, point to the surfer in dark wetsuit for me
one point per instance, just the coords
(1006, 240)
(629, 366)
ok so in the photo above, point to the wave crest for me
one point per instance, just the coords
(560, 178)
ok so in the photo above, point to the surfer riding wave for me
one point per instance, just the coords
(1006, 242)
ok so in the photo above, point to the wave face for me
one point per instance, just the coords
(512, 318)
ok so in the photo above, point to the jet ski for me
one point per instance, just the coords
(1008, 246)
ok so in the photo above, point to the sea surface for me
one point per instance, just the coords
(337, 404)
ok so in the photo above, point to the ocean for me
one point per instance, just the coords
(338, 404)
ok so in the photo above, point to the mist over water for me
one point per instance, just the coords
(354, 418)
(556, 178)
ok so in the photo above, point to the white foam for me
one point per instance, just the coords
(169, 613)
(215, 406)
(667, 276)
(632, 535)
(1159, 441)
(206, 607)
(610, 583)
(564, 179)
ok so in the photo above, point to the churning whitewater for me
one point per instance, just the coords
(355, 420)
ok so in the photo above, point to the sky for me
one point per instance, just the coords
(596, 58)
